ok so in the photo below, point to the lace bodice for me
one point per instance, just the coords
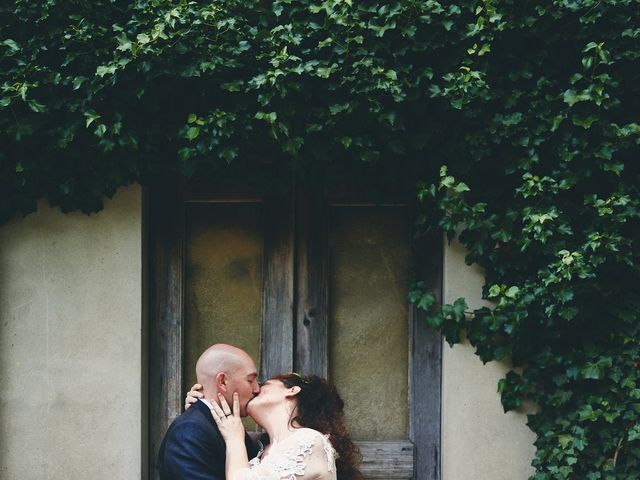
(305, 455)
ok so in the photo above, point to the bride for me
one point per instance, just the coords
(308, 438)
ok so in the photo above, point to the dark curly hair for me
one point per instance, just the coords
(320, 407)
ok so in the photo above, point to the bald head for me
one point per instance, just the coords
(227, 369)
(220, 358)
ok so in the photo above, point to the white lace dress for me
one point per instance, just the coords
(305, 455)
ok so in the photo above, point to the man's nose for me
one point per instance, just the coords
(256, 389)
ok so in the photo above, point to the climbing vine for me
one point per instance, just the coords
(520, 119)
(546, 199)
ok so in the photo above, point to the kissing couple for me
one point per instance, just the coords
(303, 417)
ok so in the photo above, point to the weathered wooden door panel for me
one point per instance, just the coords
(311, 283)
(334, 279)
(278, 289)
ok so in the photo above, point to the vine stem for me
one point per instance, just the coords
(618, 448)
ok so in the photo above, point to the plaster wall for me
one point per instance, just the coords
(479, 440)
(72, 356)
(71, 344)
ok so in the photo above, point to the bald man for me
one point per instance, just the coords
(193, 447)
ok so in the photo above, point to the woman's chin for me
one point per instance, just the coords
(250, 409)
(253, 410)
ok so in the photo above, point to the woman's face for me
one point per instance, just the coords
(272, 393)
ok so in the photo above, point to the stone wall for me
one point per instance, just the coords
(479, 441)
(71, 343)
(73, 361)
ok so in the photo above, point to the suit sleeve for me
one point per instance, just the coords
(193, 455)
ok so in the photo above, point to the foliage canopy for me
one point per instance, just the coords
(532, 107)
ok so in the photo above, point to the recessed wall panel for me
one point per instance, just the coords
(368, 314)
(223, 280)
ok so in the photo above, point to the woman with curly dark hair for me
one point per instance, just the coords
(308, 437)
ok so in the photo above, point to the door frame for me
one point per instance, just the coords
(293, 233)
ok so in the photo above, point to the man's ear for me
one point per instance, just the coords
(221, 382)
(293, 391)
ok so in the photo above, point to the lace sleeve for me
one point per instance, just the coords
(255, 473)
(307, 455)
(321, 463)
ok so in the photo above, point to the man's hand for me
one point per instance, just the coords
(193, 395)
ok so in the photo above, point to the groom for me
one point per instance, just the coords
(193, 448)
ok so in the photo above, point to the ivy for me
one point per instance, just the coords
(546, 198)
(563, 282)
(531, 108)
(98, 94)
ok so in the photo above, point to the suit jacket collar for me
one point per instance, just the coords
(202, 407)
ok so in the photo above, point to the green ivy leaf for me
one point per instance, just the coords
(90, 117)
(192, 133)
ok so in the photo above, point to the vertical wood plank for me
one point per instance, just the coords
(278, 295)
(425, 370)
(166, 314)
(312, 338)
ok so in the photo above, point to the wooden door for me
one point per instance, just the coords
(307, 282)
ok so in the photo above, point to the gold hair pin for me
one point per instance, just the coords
(296, 374)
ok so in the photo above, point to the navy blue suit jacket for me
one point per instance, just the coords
(193, 449)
